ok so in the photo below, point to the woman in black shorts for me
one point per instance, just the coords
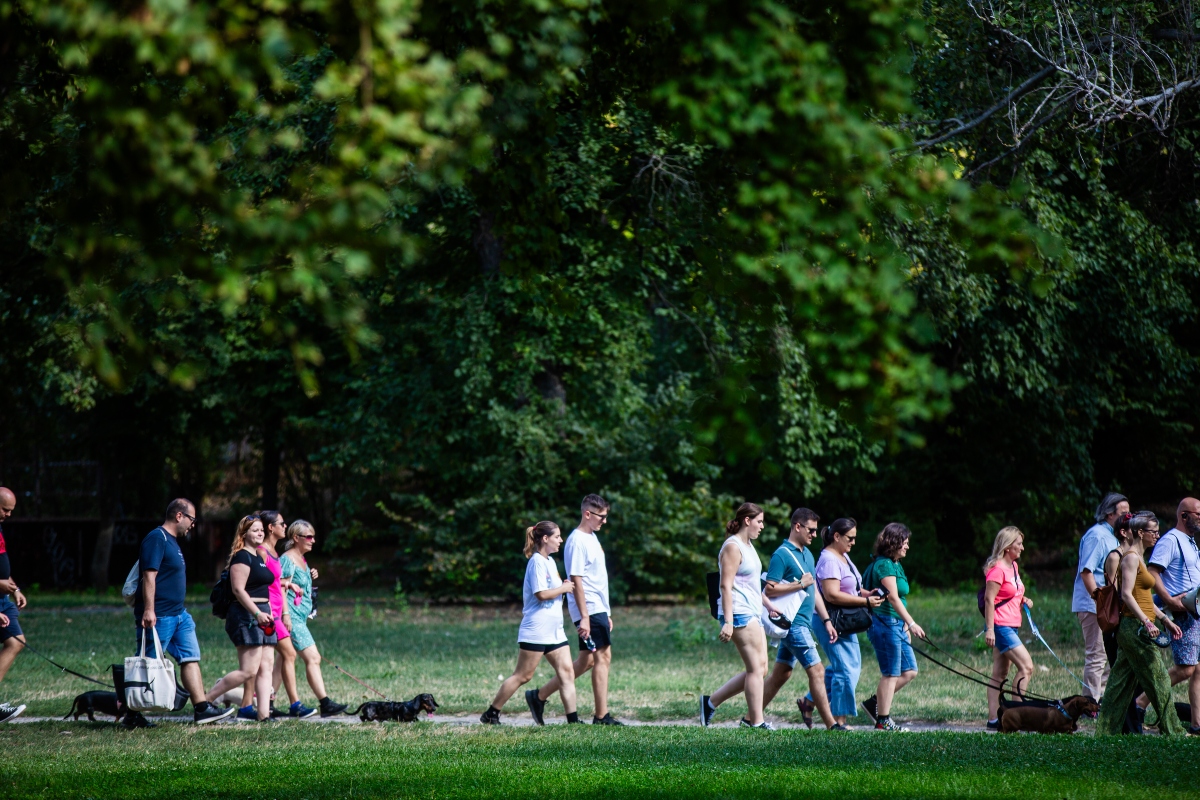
(541, 632)
(249, 623)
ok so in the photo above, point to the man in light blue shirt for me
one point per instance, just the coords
(1175, 565)
(1094, 548)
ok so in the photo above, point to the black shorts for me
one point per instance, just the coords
(243, 630)
(600, 633)
(540, 648)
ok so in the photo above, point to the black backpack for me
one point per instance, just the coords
(222, 596)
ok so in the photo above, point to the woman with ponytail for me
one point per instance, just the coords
(741, 605)
(541, 632)
(1003, 599)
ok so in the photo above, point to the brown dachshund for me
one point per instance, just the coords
(1063, 718)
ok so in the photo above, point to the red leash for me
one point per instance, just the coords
(363, 683)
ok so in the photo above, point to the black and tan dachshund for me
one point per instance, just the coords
(1058, 718)
(388, 710)
(96, 702)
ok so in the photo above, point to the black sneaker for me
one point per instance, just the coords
(888, 725)
(762, 726)
(8, 712)
(213, 714)
(277, 714)
(270, 720)
(330, 708)
(1139, 719)
(872, 707)
(1193, 730)
(706, 710)
(490, 717)
(134, 719)
(993, 725)
(536, 705)
(607, 719)
(837, 726)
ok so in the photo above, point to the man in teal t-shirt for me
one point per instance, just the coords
(791, 570)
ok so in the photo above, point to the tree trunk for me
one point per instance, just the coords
(270, 473)
(102, 555)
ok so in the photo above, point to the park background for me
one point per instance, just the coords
(426, 275)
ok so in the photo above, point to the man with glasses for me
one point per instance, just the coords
(790, 571)
(1094, 547)
(1175, 565)
(590, 611)
(160, 605)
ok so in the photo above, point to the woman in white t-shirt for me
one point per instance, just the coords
(541, 632)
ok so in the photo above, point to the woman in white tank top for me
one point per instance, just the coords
(740, 606)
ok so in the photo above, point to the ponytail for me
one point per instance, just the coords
(839, 527)
(536, 534)
(744, 513)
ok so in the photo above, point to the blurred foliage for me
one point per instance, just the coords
(433, 272)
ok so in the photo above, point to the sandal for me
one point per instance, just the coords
(806, 707)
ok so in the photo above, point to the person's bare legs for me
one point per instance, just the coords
(262, 681)
(600, 667)
(248, 661)
(8, 653)
(1178, 673)
(527, 661)
(780, 674)
(189, 673)
(560, 659)
(751, 644)
(1018, 657)
(888, 686)
(312, 670)
(999, 675)
(583, 662)
(285, 669)
(816, 687)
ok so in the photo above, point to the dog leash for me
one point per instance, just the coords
(988, 683)
(364, 683)
(64, 669)
(1040, 638)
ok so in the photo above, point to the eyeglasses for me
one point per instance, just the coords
(810, 530)
(598, 515)
(307, 537)
(851, 539)
(189, 516)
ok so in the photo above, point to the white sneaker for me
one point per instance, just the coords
(8, 712)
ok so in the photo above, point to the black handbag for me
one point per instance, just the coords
(847, 621)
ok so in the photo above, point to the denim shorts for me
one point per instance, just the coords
(178, 637)
(739, 620)
(9, 609)
(893, 647)
(1007, 638)
(799, 644)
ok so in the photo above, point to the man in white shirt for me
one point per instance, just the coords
(589, 609)
(1094, 548)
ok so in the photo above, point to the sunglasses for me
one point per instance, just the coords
(308, 537)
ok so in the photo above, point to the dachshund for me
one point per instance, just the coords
(92, 702)
(1060, 718)
(385, 710)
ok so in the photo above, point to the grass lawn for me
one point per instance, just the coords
(665, 657)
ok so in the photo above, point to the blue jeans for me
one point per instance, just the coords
(845, 664)
(1006, 638)
(893, 647)
(9, 609)
(178, 637)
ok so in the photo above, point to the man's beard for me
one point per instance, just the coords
(1192, 525)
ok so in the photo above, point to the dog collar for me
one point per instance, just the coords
(1061, 709)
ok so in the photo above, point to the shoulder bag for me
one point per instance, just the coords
(847, 621)
(1108, 602)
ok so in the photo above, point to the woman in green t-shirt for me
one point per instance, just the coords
(889, 631)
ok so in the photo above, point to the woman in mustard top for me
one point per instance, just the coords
(1138, 661)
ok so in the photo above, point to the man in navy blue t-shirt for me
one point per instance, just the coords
(12, 640)
(160, 605)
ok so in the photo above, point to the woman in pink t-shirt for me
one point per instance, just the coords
(1003, 599)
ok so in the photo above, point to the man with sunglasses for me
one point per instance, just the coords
(160, 605)
(590, 611)
(1175, 565)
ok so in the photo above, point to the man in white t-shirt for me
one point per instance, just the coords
(589, 609)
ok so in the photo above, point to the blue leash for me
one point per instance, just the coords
(1042, 639)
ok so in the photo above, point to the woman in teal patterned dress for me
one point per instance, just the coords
(299, 542)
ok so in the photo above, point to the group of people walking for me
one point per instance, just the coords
(808, 607)
(272, 590)
(1153, 573)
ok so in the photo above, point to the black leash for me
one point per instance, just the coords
(989, 684)
(64, 669)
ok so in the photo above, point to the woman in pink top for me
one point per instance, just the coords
(1003, 599)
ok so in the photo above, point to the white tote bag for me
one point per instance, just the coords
(787, 605)
(150, 682)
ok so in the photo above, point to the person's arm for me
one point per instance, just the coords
(990, 590)
(1089, 581)
(893, 597)
(779, 589)
(8, 586)
(730, 559)
(1171, 601)
(832, 588)
(149, 586)
(1128, 578)
(238, 575)
(549, 594)
(823, 616)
